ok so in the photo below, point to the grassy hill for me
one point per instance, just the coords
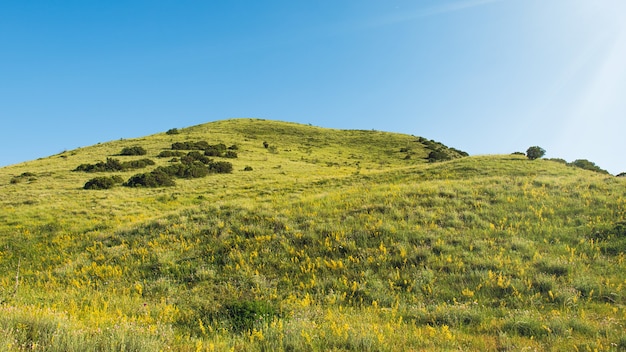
(318, 239)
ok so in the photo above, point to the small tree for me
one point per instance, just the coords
(535, 153)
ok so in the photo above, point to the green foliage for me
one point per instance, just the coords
(587, 165)
(437, 155)
(200, 145)
(104, 182)
(153, 179)
(172, 131)
(170, 153)
(535, 152)
(113, 165)
(221, 167)
(135, 150)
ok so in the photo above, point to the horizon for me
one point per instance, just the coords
(483, 76)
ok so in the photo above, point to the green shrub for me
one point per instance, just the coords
(170, 153)
(247, 168)
(230, 154)
(535, 152)
(104, 182)
(137, 164)
(195, 156)
(587, 165)
(152, 179)
(135, 150)
(112, 165)
(172, 131)
(437, 155)
(221, 167)
(201, 145)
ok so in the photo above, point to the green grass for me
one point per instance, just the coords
(334, 241)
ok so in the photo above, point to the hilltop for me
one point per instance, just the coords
(312, 239)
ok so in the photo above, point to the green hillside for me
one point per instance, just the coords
(317, 239)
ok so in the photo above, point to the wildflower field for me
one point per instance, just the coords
(318, 240)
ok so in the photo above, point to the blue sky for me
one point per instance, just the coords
(484, 76)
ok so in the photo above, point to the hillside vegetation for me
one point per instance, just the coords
(316, 239)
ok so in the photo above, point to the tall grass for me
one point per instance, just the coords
(306, 253)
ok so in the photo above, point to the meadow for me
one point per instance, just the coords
(318, 240)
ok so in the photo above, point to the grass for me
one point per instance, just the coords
(334, 241)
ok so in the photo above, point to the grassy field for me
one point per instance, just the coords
(331, 240)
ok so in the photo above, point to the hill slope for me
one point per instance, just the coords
(334, 240)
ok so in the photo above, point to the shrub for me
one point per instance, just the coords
(110, 165)
(535, 152)
(587, 165)
(114, 165)
(266, 145)
(195, 156)
(104, 182)
(136, 150)
(221, 167)
(437, 155)
(230, 154)
(137, 164)
(172, 131)
(152, 179)
(170, 153)
(247, 168)
(201, 145)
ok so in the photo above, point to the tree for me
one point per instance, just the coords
(535, 153)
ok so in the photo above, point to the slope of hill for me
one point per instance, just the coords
(331, 240)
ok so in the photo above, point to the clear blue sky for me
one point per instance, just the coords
(484, 76)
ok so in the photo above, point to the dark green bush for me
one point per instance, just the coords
(137, 164)
(135, 150)
(170, 153)
(247, 168)
(104, 182)
(221, 167)
(535, 152)
(230, 154)
(112, 165)
(152, 179)
(437, 155)
(187, 170)
(587, 165)
(201, 145)
(172, 131)
(195, 156)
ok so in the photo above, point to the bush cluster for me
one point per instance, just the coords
(219, 150)
(104, 182)
(172, 131)
(135, 150)
(438, 155)
(153, 179)
(170, 154)
(112, 165)
(192, 165)
(587, 165)
(439, 151)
